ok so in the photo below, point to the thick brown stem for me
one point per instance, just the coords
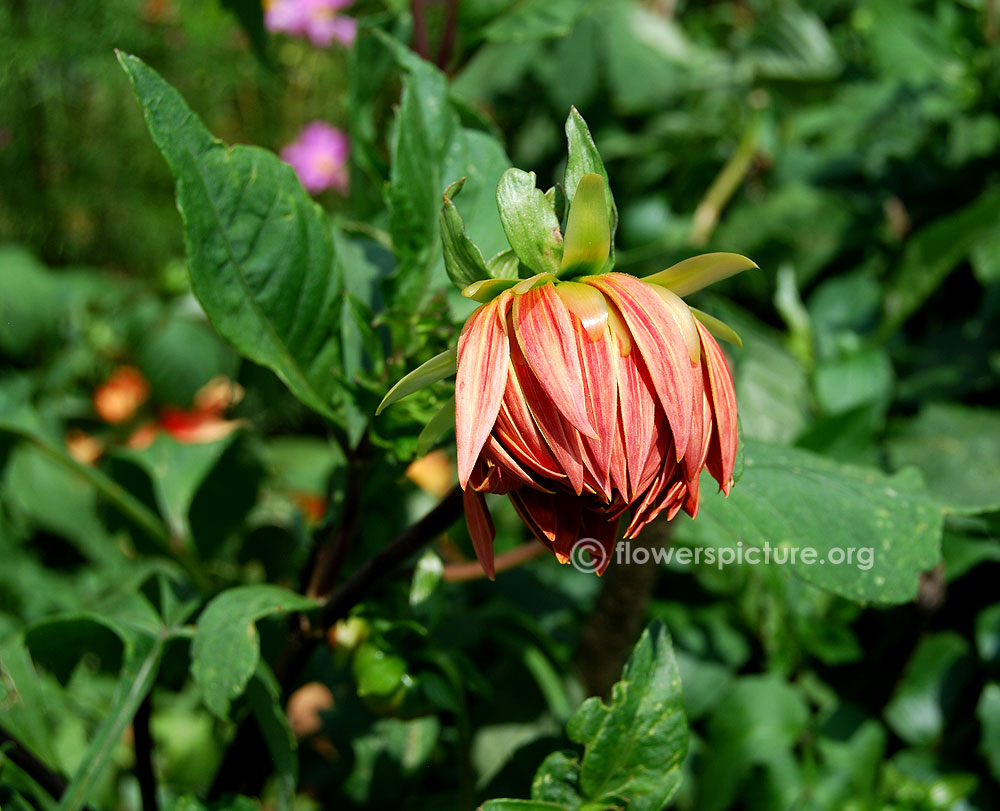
(617, 618)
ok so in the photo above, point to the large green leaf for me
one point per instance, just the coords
(259, 249)
(958, 451)
(226, 648)
(635, 744)
(791, 499)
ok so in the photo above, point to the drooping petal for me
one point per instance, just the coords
(721, 457)
(545, 334)
(516, 428)
(483, 354)
(538, 511)
(637, 406)
(604, 530)
(498, 455)
(562, 439)
(661, 343)
(477, 515)
(700, 271)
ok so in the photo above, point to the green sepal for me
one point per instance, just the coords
(584, 159)
(505, 265)
(720, 329)
(434, 430)
(437, 368)
(557, 196)
(462, 258)
(488, 289)
(587, 244)
(693, 274)
(530, 222)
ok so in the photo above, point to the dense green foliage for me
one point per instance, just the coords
(192, 624)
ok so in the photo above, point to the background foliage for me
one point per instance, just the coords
(154, 599)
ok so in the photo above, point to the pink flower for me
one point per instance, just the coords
(316, 19)
(319, 157)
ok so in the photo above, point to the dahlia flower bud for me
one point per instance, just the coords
(580, 393)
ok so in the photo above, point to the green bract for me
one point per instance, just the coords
(541, 240)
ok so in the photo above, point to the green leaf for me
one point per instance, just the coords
(226, 648)
(756, 724)
(142, 661)
(932, 686)
(425, 126)
(529, 221)
(462, 259)
(177, 470)
(933, 253)
(259, 249)
(530, 20)
(522, 805)
(584, 159)
(789, 499)
(988, 713)
(988, 635)
(635, 744)
(557, 781)
(958, 450)
(23, 709)
(264, 696)
(377, 673)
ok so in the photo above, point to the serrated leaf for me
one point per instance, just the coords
(529, 222)
(635, 744)
(792, 499)
(226, 647)
(260, 252)
(557, 779)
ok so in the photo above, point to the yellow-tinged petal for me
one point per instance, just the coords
(587, 304)
(681, 313)
(486, 290)
(720, 329)
(587, 244)
(697, 272)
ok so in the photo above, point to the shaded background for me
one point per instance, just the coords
(849, 148)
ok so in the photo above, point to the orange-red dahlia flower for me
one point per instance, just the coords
(581, 393)
(582, 399)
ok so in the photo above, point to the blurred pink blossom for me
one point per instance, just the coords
(319, 157)
(316, 19)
